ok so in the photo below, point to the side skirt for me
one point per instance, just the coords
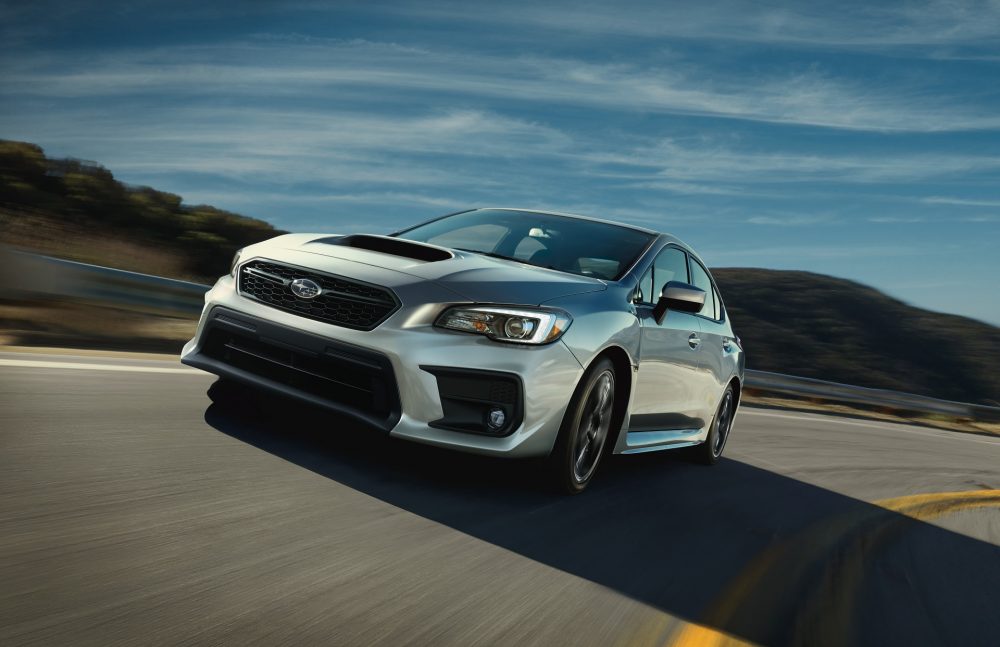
(637, 442)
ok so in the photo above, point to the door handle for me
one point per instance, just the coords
(727, 344)
(694, 341)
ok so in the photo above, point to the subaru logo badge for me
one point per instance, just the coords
(305, 289)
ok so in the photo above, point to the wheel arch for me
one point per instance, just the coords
(737, 388)
(622, 363)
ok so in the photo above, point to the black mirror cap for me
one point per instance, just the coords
(678, 296)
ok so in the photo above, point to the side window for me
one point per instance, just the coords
(699, 278)
(718, 305)
(670, 265)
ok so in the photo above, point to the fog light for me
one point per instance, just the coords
(495, 419)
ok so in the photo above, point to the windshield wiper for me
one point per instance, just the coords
(490, 254)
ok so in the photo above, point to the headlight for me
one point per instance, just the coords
(236, 261)
(518, 325)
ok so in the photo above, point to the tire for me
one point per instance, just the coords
(708, 452)
(585, 430)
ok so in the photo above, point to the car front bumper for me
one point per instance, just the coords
(404, 358)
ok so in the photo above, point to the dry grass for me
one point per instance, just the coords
(77, 243)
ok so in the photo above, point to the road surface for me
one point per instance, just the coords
(135, 511)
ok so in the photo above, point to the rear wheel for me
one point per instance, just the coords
(585, 429)
(709, 451)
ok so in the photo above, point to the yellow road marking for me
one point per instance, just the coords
(831, 608)
(694, 635)
(930, 506)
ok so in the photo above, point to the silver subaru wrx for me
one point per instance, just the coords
(498, 331)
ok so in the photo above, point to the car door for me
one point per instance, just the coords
(668, 382)
(718, 346)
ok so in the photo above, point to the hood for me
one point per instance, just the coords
(472, 276)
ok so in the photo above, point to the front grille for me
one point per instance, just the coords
(347, 379)
(342, 302)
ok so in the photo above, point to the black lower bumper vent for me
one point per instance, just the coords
(347, 379)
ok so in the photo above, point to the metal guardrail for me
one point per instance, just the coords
(804, 387)
(24, 275)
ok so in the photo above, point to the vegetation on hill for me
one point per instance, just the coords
(78, 210)
(799, 323)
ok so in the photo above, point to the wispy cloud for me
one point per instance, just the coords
(320, 199)
(487, 156)
(293, 146)
(862, 25)
(355, 69)
(793, 220)
(896, 220)
(690, 163)
(960, 202)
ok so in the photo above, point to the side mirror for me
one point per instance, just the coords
(678, 296)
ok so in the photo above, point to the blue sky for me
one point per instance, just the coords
(858, 140)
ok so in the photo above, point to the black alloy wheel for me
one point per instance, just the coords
(585, 429)
(709, 451)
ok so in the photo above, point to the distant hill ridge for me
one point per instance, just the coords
(806, 324)
(790, 322)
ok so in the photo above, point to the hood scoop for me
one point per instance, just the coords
(387, 245)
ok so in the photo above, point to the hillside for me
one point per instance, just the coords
(791, 322)
(78, 210)
(818, 326)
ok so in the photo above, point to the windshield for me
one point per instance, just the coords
(563, 243)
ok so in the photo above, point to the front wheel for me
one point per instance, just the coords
(585, 429)
(709, 451)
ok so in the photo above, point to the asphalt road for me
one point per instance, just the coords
(134, 511)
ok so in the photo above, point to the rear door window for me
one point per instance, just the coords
(700, 279)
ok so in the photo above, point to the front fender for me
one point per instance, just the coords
(600, 320)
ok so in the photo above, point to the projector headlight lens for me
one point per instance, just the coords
(519, 327)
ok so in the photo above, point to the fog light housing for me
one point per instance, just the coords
(477, 401)
(496, 418)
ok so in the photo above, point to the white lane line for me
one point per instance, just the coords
(80, 366)
(891, 427)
